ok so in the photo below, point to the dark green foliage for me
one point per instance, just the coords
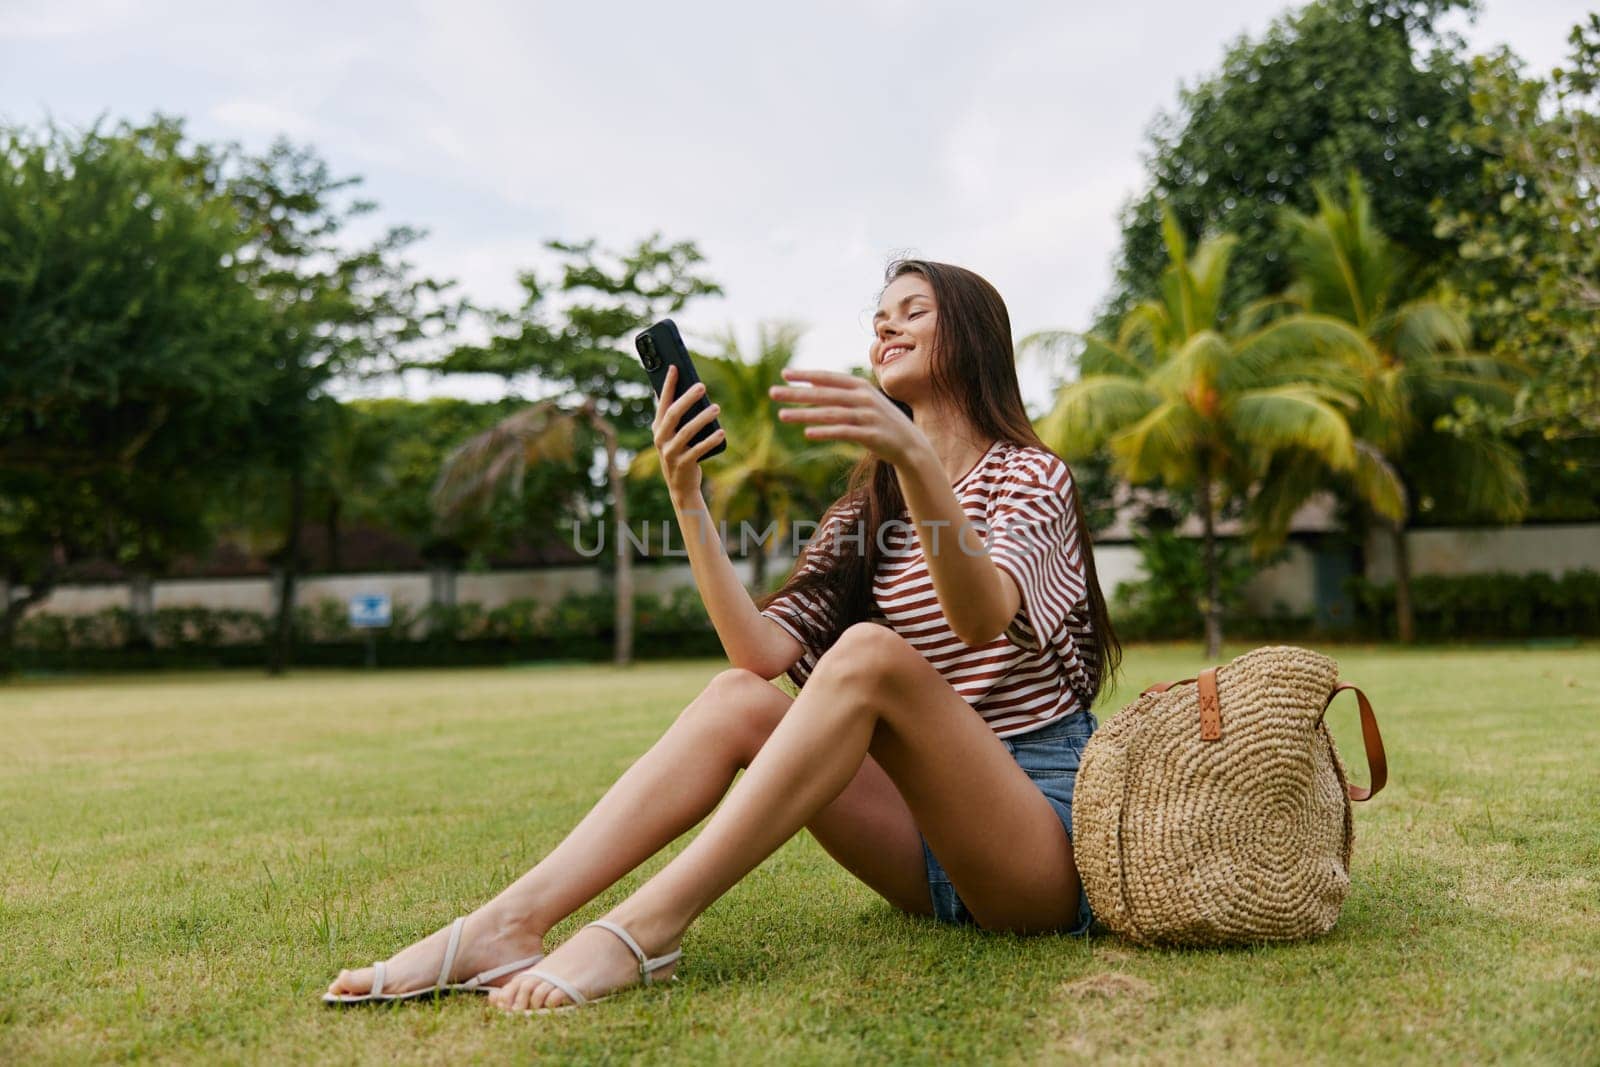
(124, 317)
(339, 310)
(130, 347)
(1166, 603)
(1529, 264)
(1493, 606)
(1337, 84)
(410, 441)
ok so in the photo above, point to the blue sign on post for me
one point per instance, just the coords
(369, 611)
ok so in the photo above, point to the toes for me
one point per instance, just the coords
(525, 991)
(352, 982)
(505, 997)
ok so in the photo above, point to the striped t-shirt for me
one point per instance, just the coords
(1019, 499)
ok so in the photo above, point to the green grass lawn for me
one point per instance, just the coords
(188, 859)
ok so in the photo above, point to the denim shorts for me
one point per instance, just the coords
(1050, 757)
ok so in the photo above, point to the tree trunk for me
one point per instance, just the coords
(622, 650)
(281, 651)
(141, 605)
(12, 608)
(331, 525)
(758, 562)
(1404, 617)
(442, 598)
(1212, 603)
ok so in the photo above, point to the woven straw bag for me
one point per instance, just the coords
(1216, 811)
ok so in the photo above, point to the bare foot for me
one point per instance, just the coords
(484, 946)
(593, 960)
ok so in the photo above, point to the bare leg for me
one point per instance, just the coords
(664, 794)
(871, 694)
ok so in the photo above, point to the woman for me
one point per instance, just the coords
(949, 636)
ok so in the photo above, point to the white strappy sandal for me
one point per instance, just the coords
(478, 983)
(647, 968)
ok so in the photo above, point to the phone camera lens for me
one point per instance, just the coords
(647, 352)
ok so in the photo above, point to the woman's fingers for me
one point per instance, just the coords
(838, 431)
(712, 440)
(819, 394)
(853, 416)
(822, 377)
(675, 412)
(686, 432)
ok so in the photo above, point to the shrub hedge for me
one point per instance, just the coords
(579, 627)
(1494, 606)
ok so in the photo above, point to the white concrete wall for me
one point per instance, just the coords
(237, 594)
(1114, 564)
(1518, 550)
(84, 599)
(1290, 585)
(1286, 587)
(497, 589)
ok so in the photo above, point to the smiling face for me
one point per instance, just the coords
(903, 333)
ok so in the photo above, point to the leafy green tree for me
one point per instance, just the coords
(338, 310)
(1196, 400)
(130, 349)
(1164, 603)
(417, 437)
(573, 339)
(352, 466)
(1336, 84)
(377, 474)
(1529, 263)
(1347, 269)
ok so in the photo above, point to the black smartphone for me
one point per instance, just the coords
(660, 347)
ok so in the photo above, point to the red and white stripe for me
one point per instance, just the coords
(1020, 499)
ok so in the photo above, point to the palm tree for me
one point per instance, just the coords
(545, 432)
(770, 472)
(1347, 269)
(1195, 402)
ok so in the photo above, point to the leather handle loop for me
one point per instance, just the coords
(1210, 706)
(1210, 703)
(1377, 763)
(1162, 687)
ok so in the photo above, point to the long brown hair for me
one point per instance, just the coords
(972, 361)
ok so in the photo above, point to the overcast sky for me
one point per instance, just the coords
(801, 145)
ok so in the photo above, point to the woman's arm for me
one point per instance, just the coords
(751, 640)
(978, 599)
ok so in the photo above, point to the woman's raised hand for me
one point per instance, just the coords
(842, 407)
(680, 460)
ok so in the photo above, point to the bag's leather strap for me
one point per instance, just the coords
(1211, 725)
(1210, 703)
(1377, 763)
